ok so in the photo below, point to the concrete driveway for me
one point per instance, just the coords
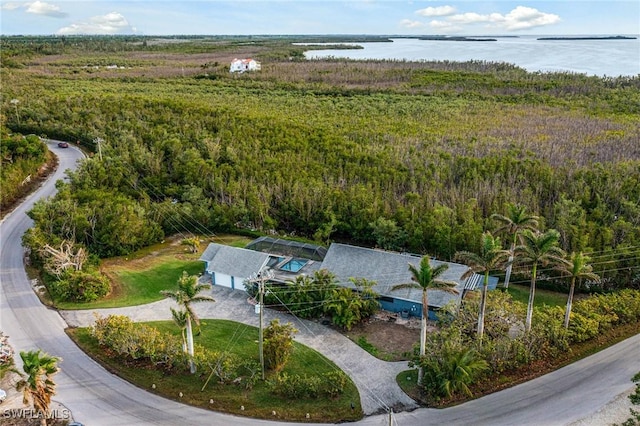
(375, 379)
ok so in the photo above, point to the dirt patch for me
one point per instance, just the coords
(387, 338)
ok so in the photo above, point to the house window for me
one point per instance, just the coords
(386, 299)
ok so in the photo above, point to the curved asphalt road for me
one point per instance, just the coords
(97, 397)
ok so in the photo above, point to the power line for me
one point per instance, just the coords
(371, 393)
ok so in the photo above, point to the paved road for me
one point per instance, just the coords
(96, 397)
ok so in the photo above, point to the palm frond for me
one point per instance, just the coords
(404, 286)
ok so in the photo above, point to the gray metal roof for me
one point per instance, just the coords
(388, 269)
(233, 261)
(476, 281)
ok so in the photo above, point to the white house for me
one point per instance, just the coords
(230, 266)
(242, 65)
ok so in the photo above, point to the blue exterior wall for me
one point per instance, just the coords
(493, 283)
(414, 309)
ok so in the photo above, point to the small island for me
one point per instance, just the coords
(589, 38)
(455, 38)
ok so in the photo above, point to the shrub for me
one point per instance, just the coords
(626, 305)
(551, 332)
(348, 307)
(296, 386)
(120, 334)
(80, 286)
(278, 344)
(582, 328)
(506, 353)
(223, 365)
(331, 384)
(334, 383)
(452, 372)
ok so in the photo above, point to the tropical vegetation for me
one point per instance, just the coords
(419, 157)
(318, 295)
(409, 156)
(576, 268)
(37, 385)
(188, 292)
(426, 277)
(538, 249)
(455, 364)
(21, 159)
(512, 224)
(491, 258)
(228, 372)
(278, 344)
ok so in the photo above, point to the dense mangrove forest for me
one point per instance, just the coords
(409, 156)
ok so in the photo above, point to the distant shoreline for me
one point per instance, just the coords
(589, 38)
(455, 38)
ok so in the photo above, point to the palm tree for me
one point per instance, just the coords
(38, 386)
(576, 268)
(459, 370)
(180, 318)
(426, 278)
(187, 293)
(516, 221)
(538, 249)
(490, 258)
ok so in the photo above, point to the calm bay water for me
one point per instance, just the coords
(592, 57)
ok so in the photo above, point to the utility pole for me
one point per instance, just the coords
(260, 338)
(262, 277)
(390, 416)
(98, 141)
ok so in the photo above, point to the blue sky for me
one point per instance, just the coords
(407, 17)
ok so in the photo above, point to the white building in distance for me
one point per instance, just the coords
(242, 65)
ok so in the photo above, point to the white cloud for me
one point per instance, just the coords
(111, 23)
(471, 18)
(42, 8)
(519, 18)
(444, 26)
(525, 17)
(437, 11)
(10, 6)
(407, 23)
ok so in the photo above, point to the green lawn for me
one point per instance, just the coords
(136, 287)
(221, 335)
(138, 278)
(543, 297)
(232, 240)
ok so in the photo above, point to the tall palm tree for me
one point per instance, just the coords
(513, 223)
(180, 318)
(490, 258)
(187, 293)
(538, 249)
(577, 267)
(38, 385)
(426, 278)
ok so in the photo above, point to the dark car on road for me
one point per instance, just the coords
(63, 145)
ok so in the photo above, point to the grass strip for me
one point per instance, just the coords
(241, 339)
